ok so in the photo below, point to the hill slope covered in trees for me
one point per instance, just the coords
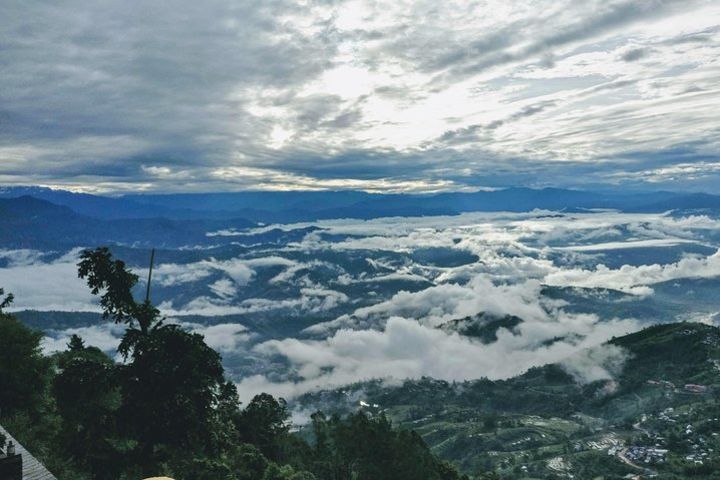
(547, 424)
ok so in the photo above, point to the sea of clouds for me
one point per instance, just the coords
(356, 300)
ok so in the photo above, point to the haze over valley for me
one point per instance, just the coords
(298, 307)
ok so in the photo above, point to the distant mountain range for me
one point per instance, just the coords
(313, 205)
(36, 217)
(28, 222)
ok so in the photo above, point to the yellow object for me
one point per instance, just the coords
(159, 478)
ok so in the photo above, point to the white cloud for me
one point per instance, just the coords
(241, 271)
(52, 285)
(441, 303)
(21, 257)
(658, 242)
(311, 300)
(169, 274)
(407, 349)
(105, 336)
(604, 362)
(224, 289)
(635, 280)
(224, 337)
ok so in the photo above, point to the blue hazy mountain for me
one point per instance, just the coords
(692, 201)
(29, 222)
(86, 204)
(292, 206)
(285, 207)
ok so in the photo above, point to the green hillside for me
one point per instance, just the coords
(544, 425)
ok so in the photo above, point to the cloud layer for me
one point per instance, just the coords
(353, 300)
(413, 96)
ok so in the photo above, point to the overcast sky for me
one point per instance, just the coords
(381, 96)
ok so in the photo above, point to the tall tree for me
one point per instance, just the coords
(171, 389)
(173, 383)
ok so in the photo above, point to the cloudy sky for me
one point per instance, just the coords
(382, 96)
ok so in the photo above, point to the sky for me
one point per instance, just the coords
(395, 96)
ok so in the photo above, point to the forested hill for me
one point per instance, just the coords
(546, 419)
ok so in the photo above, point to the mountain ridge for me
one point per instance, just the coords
(29, 222)
(298, 206)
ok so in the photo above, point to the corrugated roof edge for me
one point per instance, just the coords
(32, 468)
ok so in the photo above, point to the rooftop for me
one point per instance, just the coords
(32, 468)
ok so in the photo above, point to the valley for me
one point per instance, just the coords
(659, 418)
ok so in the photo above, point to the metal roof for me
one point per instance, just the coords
(32, 468)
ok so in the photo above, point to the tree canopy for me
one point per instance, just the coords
(23, 369)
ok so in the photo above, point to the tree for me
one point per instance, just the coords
(76, 343)
(247, 462)
(170, 391)
(173, 382)
(263, 422)
(5, 302)
(110, 276)
(88, 397)
(285, 472)
(370, 449)
(24, 372)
